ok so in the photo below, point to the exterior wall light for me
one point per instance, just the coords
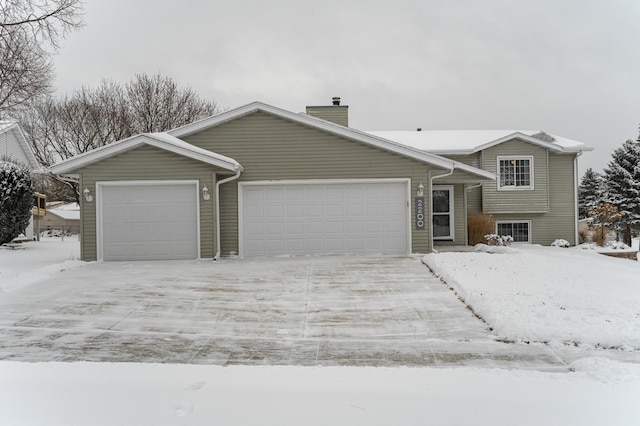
(205, 193)
(87, 195)
(420, 192)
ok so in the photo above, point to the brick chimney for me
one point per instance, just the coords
(335, 112)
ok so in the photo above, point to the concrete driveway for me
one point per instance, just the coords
(331, 310)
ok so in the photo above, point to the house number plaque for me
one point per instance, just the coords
(419, 213)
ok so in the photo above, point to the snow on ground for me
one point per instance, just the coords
(531, 293)
(549, 294)
(37, 260)
(160, 394)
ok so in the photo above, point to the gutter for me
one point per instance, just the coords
(239, 170)
(453, 168)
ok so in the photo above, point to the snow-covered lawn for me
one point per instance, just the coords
(35, 261)
(600, 392)
(548, 294)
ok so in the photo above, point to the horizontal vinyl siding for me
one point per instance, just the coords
(10, 148)
(516, 201)
(147, 163)
(270, 148)
(561, 221)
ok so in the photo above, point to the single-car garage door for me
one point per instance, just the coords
(316, 218)
(148, 221)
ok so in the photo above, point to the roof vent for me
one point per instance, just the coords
(335, 100)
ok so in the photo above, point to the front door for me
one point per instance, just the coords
(442, 216)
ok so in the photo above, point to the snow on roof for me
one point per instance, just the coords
(70, 211)
(160, 140)
(468, 141)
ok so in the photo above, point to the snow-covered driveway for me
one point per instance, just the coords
(332, 310)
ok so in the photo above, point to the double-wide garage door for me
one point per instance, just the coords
(315, 218)
(150, 221)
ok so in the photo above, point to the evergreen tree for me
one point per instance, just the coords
(16, 199)
(590, 192)
(622, 180)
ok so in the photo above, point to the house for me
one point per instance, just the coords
(262, 181)
(14, 146)
(61, 218)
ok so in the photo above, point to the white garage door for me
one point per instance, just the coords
(149, 221)
(315, 218)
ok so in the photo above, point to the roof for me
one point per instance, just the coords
(69, 211)
(159, 140)
(13, 128)
(377, 141)
(469, 141)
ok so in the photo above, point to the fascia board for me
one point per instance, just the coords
(134, 142)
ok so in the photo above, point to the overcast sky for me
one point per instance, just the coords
(568, 67)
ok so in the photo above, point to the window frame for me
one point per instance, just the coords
(512, 222)
(452, 233)
(515, 187)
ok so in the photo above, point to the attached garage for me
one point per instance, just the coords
(147, 220)
(316, 217)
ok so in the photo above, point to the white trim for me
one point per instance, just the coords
(158, 140)
(452, 232)
(242, 184)
(528, 222)
(99, 206)
(529, 187)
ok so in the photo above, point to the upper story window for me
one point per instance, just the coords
(515, 172)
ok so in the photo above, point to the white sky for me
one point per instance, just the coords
(571, 67)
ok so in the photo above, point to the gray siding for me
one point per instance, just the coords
(560, 221)
(11, 148)
(338, 114)
(270, 148)
(516, 201)
(146, 163)
(554, 192)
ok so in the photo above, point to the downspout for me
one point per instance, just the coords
(220, 182)
(575, 196)
(453, 168)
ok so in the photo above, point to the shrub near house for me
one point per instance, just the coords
(16, 198)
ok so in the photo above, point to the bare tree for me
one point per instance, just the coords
(157, 104)
(90, 118)
(30, 32)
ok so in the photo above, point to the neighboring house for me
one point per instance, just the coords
(61, 217)
(14, 145)
(263, 181)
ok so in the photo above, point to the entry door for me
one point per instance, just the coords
(442, 197)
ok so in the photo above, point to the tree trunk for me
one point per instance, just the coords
(627, 236)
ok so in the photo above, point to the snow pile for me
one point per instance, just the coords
(543, 294)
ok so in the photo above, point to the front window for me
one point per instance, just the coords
(442, 215)
(515, 172)
(519, 231)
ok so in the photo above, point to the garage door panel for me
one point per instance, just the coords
(149, 222)
(324, 218)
